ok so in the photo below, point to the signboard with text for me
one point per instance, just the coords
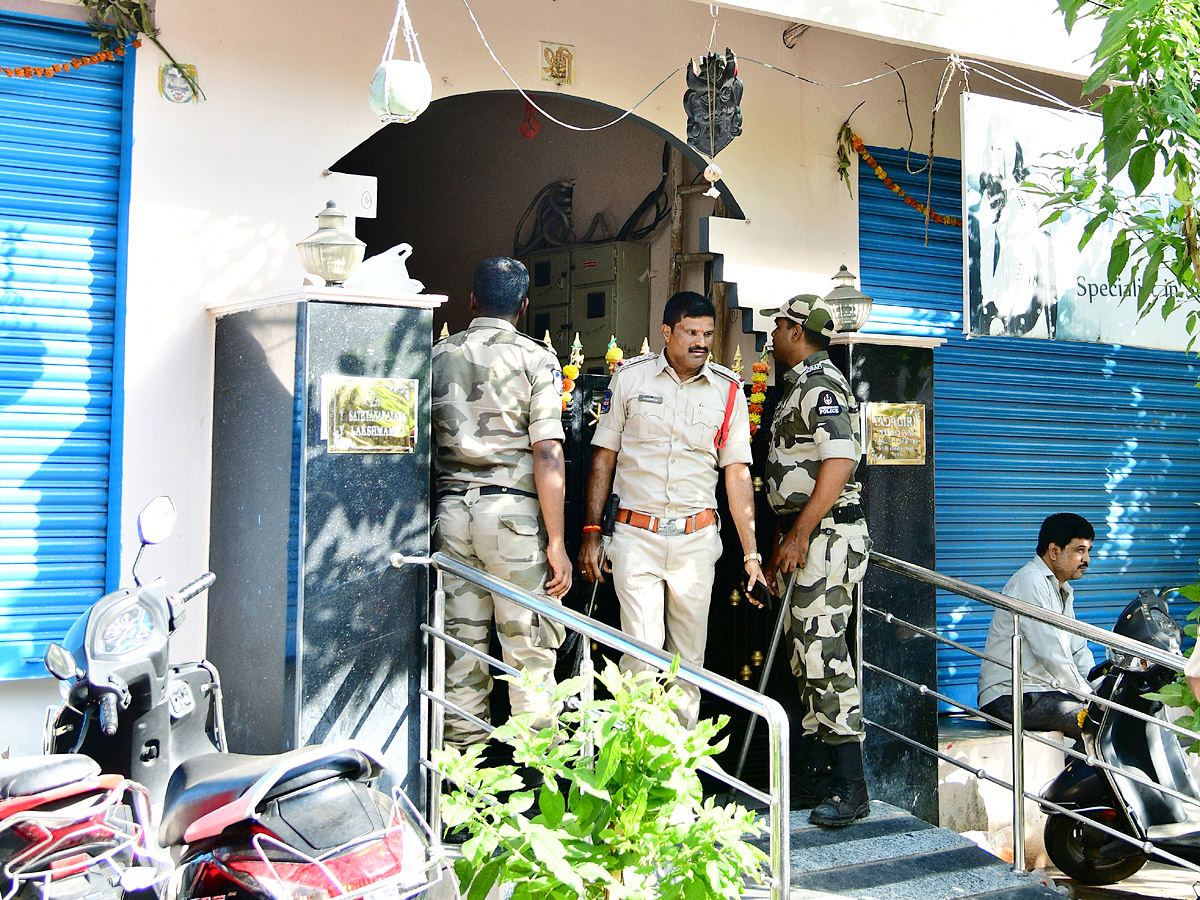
(1026, 279)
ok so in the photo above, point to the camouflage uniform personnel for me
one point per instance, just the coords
(663, 431)
(817, 419)
(496, 393)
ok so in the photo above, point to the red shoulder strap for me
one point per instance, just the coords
(723, 432)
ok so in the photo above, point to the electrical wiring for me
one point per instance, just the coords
(534, 104)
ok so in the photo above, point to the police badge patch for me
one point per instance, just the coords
(827, 404)
(558, 380)
(606, 402)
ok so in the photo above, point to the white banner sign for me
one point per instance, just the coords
(1023, 279)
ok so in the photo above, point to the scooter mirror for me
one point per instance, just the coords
(156, 521)
(60, 663)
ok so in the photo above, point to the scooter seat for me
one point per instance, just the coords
(206, 783)
(25, 776)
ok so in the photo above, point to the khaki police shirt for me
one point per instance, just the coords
(816, 419)
(663, 431)
(495, 394)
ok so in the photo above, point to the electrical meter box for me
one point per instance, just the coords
(597, 291)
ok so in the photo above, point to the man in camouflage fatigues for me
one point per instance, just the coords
(815, 448)
(497, 425)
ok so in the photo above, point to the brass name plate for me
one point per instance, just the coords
(370, 415)
(895, 434)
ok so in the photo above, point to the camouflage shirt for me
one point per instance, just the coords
(816, 419)
(496, 393)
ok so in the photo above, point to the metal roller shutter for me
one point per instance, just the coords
(61, 144)
(1026, 427)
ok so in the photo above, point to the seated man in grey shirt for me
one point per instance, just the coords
(1048, 654)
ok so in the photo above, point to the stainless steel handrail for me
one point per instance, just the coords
(1019, 608)
(779, 853)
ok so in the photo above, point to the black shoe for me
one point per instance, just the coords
(810, 788)
(846, 801)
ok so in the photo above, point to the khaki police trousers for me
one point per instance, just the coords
(503, 535)
(821, 607)
(664, 585)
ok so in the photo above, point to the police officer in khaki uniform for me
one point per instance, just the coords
(668, 423)
(815, 448)
(497, 425)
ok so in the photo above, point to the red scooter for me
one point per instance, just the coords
(68, 833)
(304, 825)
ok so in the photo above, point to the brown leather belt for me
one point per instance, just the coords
(677, 525)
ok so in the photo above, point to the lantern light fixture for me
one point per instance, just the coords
(851, 307)
(331, 251)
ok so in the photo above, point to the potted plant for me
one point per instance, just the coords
(619, 813)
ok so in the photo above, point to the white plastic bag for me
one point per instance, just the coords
(385, 273)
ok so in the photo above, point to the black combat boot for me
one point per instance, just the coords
(847, 800)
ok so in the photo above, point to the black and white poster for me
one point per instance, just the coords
(1025, 279)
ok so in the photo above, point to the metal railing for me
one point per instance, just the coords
(1020, 609)
(435, 704)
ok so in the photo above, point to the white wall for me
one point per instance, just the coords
(1028, 33)
(23, 707)
(222, 190)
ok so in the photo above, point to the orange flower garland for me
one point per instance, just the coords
(59, 68)
(570, 373)
(758, 390)
(937, 218)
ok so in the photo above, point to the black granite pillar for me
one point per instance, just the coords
(317, 638)
(899, 505)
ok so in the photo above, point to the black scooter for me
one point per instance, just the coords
(1148, 816)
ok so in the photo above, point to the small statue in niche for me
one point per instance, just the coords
(714, 117)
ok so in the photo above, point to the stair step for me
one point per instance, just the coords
(892, 855)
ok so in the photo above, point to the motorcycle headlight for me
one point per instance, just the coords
(122, 630)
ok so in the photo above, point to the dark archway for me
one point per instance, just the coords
(455, 183)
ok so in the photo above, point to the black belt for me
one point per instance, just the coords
(487, 490)
(841, 515)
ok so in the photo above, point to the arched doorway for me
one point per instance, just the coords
(456, 182)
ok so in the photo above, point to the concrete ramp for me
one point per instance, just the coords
(892, 855)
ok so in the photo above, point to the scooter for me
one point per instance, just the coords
(1135, 748)
(68, 833)
(303, 825)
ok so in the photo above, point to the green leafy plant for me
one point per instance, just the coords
(117, 22)
(1147, 70)
(1178, 694)
(619, 815)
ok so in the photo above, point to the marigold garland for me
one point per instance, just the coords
(59, 68)
(937, 218)
(758, 390)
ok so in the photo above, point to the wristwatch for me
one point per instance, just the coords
(757, 557)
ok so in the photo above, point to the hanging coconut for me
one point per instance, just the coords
(401, 88)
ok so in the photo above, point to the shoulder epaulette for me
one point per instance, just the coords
(728, 374)
(637, 359)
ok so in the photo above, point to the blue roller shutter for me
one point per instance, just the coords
(61, 142)
(1027, 427)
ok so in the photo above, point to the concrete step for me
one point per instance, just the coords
(892, 855)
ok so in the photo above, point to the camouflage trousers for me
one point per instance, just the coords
(821, 606)
(502, 535)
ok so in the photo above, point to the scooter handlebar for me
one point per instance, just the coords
(194, 588)
(108, 713)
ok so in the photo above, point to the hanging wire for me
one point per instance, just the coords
(410, 35)
(714, 11)
(953, 64)
(534, 103)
